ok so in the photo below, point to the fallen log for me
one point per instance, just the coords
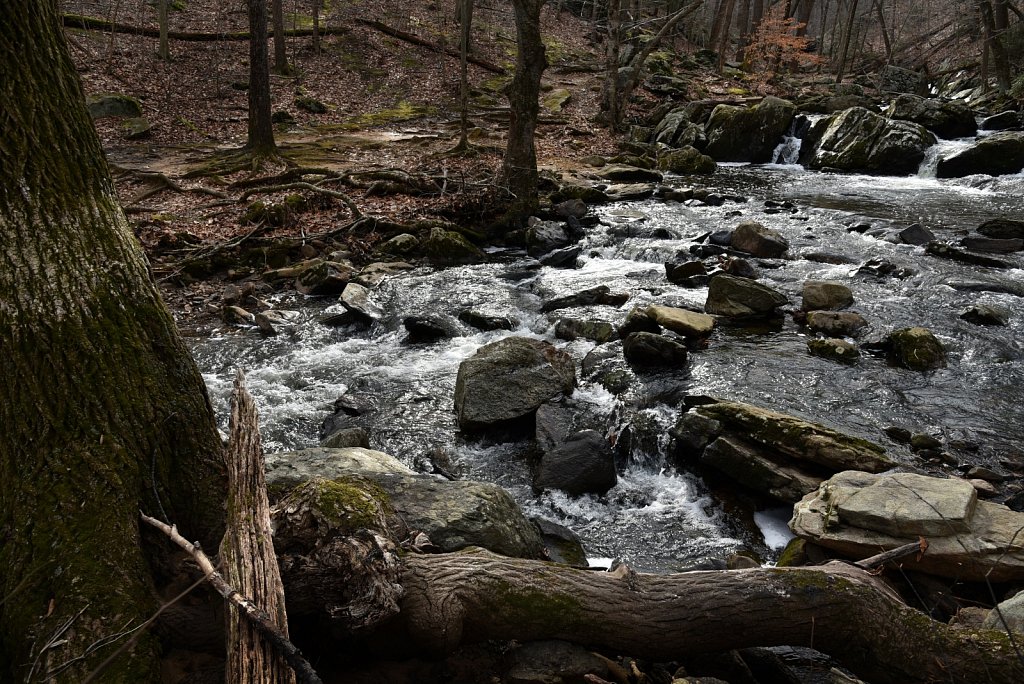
(338, 572)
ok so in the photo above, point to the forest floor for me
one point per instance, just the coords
(388, 106)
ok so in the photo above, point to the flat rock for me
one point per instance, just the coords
(689, 324)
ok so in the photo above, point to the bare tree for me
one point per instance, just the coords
(260, 143)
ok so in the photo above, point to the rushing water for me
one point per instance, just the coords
(658, 517)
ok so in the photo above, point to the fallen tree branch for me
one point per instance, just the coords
(881, 559)
(303, 670)
(302, 185)
(422, 42)
(76, 21)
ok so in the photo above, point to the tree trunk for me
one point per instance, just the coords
(612, 97)
(316, 26)
(280, 44)
(103, 410)
(247, 553)
(473, 596)
(519, 168)
(164, 50)
(465, 13)
(884, 31)
(994, 45)
(847, 35)
(261, 129)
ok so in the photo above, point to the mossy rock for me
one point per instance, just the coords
(556, 100)
(834, 349)
(310, 104)
(794, 555)
(586, 193)
(282, 116)
(136, 128)
(917, 349)
(687, 161)
(448, 247)
(113, 104)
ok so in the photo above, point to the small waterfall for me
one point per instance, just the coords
(788, 149)
(943, 149)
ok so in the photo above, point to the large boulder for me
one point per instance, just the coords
(859, 514)
(446, 247)
(107, 105)
(677, 129)
(748, 134)
(740, 297)
(754, 239)
(746, 466)
(545, 236)
(507, 380)
(582, 464)
(946, 119)
(453, 514)
(894, 79)
(860, 140)
(623, 173)
(995, 155)
(687, 161)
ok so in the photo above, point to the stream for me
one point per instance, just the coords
(661, 517)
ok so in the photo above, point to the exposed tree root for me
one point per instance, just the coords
(301, 185)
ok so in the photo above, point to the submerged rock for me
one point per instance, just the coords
(834, 350)
(507, 380)
(1003, 228)
(836, 323)
(859, 514)
(597, 331)
(986, 314)
(917, 349)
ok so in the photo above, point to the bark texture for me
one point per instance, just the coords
(519, 168)
(247, 552)
(101, 405)
(838, 609)
(261, 128)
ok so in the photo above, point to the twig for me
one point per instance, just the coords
(260, 620)
(877, 561)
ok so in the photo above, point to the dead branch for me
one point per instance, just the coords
(422, 42)
(303, 670)
(881, 559)
(75, 21)
(302, 185)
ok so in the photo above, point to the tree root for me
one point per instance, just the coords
(301, 185)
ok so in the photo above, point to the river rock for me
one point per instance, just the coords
(687, 161)
(595, 295)
(736, 266)
(653, 350)
(403, 244)
(1010, 615)
(790, 438)
(836, 323)
(346, 438)
(748, 134)
(556, 662)
(622, 173)
(946, 119)
(993, 245)
(356, 299)
(1003, 228)
(916, 234)
(754, 239)
(453, 514)
(917, 349)
(1003, 121)
(946, 251)
(545, 236)
(834, 349)
(822, 295)
(894, 79)
(446, 247)
(571, 207)
(507, 380)
(583, 464)
(994, 155)
(372, 275)
(687, 274)
(986, 314)
(860, 140)
(739, 297)
(324, 278)
(597, 331)
(858, 514)
(747, 467)
(689, 324)
(562, 544)
(486, 322)
(271, 322)
(429, 328)
(638, 320)
(630, 192)
(566, 257)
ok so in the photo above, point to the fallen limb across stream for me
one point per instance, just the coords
(840, 609)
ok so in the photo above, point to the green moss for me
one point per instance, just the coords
(351, 503)
(548, 610)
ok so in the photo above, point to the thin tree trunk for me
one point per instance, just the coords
(519, 168)
(847, 35)
(884, 31)
(247, 552)
(103, 410)
(280, 43)
(465, 25)
(612, 63)
(261, 129)
(317, 4)
(164, 50)
(743, 29)
(994, 47)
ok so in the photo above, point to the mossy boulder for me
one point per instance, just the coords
(106, 105)
(585, 193)
(446, 247)
(556, 100)
(310, 104)
(946, 119)
(917, 348)
(136, 128)
(748, 134)
(860, 140)
(687, 161)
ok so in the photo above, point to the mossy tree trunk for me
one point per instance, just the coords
(261, 128)
(101, 405)
(519, 168)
